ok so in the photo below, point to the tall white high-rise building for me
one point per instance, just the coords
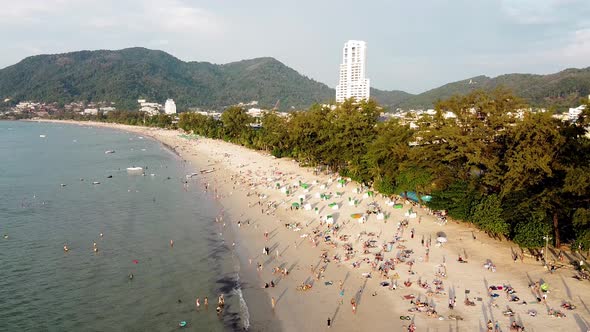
(352, 81)
(170, 107)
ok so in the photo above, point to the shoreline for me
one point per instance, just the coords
(241, 178)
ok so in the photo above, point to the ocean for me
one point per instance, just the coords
(48, 200)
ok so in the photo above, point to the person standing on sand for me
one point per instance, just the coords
(206, 302)
(273, 302)
(329, 322)
(353, 303)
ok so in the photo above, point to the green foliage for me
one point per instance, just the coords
(236, 124)
(487, 214)
(529, 233)
(458, 199)
(520, 178)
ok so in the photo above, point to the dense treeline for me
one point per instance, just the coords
(520, 178)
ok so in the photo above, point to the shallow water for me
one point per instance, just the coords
(44, 288)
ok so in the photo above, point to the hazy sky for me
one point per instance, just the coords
(412, 45)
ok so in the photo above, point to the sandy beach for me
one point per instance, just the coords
(344, 244)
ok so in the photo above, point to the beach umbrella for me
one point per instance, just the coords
(441, 234)
(544, 287)
(342, 181)
(398, 206)
(370, 193)
(295, 204)
(441, 239)
(305, 186)
(356, 215)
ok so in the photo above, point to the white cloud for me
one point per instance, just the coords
(579, 46)
(26, 11)
(158, 17)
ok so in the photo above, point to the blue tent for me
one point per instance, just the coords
(412, 196)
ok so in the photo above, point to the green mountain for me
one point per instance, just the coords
(561, 90)
(124, 76)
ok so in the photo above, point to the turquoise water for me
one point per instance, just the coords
(43, 288)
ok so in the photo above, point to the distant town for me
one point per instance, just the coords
(352, 84)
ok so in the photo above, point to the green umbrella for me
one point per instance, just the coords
(332, 204)
(295, 204)
(544, 287)
(305, 186)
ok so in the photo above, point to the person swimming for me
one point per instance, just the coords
(66, 248)
(130, 276)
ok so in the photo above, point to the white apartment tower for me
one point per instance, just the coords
(170, 107)
(352, 81)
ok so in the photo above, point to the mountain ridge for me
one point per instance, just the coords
(125, 75)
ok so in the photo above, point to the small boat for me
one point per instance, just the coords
(134, 169)
(109, 151)
(95, 182)
(42, 136)
(63, 184)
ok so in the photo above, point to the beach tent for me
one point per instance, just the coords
(380, 216)
(334, 206)
(323, 186)
(398, 206)
(412, 196)
(307, 207)
(356, 215)
(329, 219)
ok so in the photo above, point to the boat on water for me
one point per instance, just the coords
(42, 136)
(134, 169)
(95, 182)
(109, 151)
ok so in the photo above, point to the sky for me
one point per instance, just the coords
(412, 46)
